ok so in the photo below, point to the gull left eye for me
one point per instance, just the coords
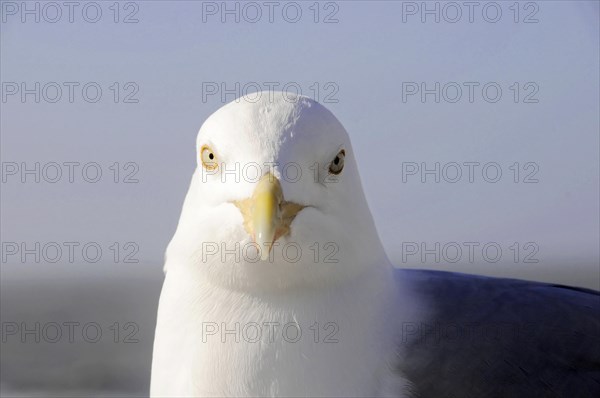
(337, 164)
(208, 158)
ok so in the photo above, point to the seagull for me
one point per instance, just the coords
(277, 284)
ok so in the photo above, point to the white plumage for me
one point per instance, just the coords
(337, 320)
(343, 288)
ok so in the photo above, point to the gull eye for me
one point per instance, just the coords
(337, 164)
(208, 157)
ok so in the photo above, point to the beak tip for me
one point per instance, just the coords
(265, 249)
(264, 255)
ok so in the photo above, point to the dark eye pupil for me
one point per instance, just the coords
(336, 161)
(211, 156)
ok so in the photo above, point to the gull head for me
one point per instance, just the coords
(275, 201)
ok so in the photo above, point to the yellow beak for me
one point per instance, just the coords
(266, 212)
(267, 216)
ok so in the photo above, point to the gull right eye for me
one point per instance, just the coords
(208, 158)
(337, 164)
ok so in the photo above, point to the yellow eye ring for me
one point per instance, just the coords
(337, 164)
(208, 158)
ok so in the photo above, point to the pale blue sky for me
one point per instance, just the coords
(367, 56)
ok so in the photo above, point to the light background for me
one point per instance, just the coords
(171, 52)
(367, 55)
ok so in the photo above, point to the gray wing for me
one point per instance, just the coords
(490, 337)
